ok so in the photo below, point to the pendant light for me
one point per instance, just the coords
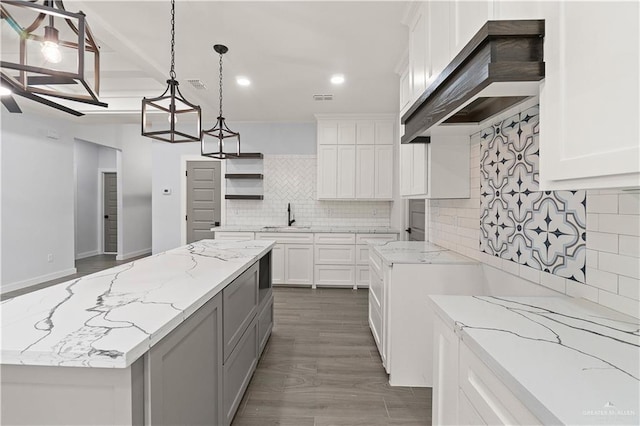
(56, 48)
(180, 113)
(220, 132)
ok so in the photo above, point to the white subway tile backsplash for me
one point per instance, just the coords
(592, 221)
(530, 274)
(553, 282)
(629, 246)
(592, 259)
(603, 204)
(576, 289)
(619, 224)
(510, 267)
(602, 242)
(601, 279)
(629, 287)
(629, 203)
(618, 264)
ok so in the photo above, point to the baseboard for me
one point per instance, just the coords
(87, 254)
(134, 254)
(37, 280)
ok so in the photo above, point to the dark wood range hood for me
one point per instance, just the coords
(499, 67)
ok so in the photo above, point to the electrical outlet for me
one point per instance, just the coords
(374, 212)
(329, 212)
(50, 258)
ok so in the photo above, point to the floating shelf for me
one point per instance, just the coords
(243, 197)
(244, 176)
(247, 155)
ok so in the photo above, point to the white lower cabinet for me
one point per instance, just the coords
(335, 257)
(277, 264)
(335, 275)
(465, 389)
(298, 261)
(362, 276)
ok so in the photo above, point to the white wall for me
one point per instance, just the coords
(106, 158)
(37, 200)
(86, 207)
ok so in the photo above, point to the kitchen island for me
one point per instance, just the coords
(172, 338)
(534, 360)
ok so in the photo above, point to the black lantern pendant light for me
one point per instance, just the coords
(181, 114)
(48, 54)
(223, 146)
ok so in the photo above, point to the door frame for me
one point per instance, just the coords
(100, 218)
(183, 189)
(427, 213)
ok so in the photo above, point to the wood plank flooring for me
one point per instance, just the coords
(321, 368)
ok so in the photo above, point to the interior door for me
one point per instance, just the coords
(110, 212)
(203, 199)
(416, 220)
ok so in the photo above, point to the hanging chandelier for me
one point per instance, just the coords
(220, 132)
(53, 56)
(183, 123)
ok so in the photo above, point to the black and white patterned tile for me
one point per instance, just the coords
(543, 230)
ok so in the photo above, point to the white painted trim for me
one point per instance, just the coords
(183, 192)
(36, 280)
(100, 217)
(134, 254)
(120, 220)
(87, 254)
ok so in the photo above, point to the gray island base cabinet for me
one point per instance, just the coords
(195, 375)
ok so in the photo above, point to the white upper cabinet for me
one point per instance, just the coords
(466, 18)
(418, 60)
(510, 9)
(589, 104)
(439, 46)
(358, 164)
(405, 90)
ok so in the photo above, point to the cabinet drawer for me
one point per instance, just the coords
(239, 307)
(376, 288)
(238, 236)
(286, 237)
(492, 400)
(362, 255)
(330, 238)
(375, 262)
(335, 254)
(238, 369)
(362, 238)
(335, 275)
(265, 323)
(362, 276)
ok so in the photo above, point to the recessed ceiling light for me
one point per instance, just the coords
(243, 81)
(337, 79)
(4, 91)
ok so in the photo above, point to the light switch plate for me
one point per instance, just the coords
(166, 191)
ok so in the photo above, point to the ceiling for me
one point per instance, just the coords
(288, 50)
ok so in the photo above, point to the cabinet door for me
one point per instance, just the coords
(298, 260)
(405, 91)
(347, 133)
(384, 172)
(418, 52)
(184, 371)
(327, 133)
(335, 254)
(277, 264)
(346, 173)
(365, 132)
(466, 18)
(445, 374)
(327, 171)
(335, 275)
(419, 169)
(439, 46)
(365, 171)
(588, 110)
(384, 132)
(406, 168)
(237, 372)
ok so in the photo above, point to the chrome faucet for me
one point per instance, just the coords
(291, 221)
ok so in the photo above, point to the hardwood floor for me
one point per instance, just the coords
(85, 266)
(321, 368)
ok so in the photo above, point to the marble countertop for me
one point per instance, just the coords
(393, 252)
(570, 361)
(309, 229)
(112, 317)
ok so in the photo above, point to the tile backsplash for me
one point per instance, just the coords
(292, 179)
(611, 274)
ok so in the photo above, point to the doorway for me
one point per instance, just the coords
(416, 227)
(203, 199)
(110, 212)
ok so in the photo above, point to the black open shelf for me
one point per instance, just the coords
(243, 176)
(243, 197)
(247, 155)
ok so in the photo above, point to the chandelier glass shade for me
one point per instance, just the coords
(183, 118)
(49, 54)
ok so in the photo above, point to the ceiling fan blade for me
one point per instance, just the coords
(10, 104)
(36, 80)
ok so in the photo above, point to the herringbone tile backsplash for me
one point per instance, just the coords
(292, 179)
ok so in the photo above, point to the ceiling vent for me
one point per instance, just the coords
(322, 97)
(198, 84)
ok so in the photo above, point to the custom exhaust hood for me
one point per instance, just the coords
(501, 66)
